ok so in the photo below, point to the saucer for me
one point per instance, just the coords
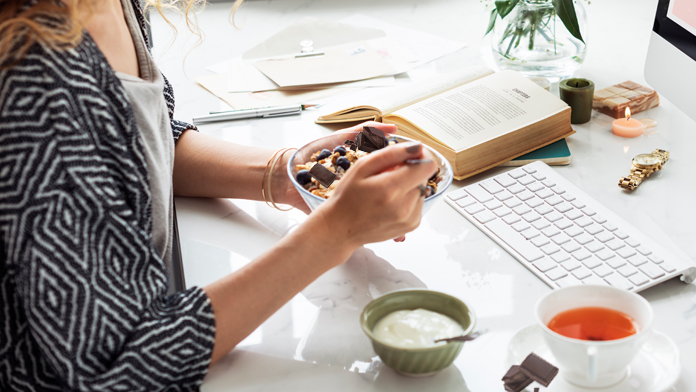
(655, 368)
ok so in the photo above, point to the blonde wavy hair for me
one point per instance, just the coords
(60, 25)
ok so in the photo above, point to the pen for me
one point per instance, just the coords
(271, 111)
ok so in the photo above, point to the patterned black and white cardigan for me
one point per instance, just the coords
(82, 286)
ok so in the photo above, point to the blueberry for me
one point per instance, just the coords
(340, 150)
(386, 141)
(303, 177)
(431, 191)
(343, 162)
(323, 154)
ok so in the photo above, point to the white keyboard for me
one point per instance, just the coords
(562, 234)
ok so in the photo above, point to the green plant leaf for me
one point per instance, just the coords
(566, 11)
(491, 21)
(504, 7)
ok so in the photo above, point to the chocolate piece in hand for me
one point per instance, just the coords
(515, 380)
(351, 144)
(538, 369)
(325, 176)
(376, 137)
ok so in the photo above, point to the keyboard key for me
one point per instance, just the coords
(484, 216)
(621, 234)
(505, 180)
(583, 222)
(529, 169)
(550, 231)
(570, 247)
(531, 216)
(541, 224)
(568, 281)
(504, 195)
(570, 265)
(479, 193)
(627, 271)
(560, 257)
(578, 204)
(594, 246)
(526, 180)
(512, 203)
(632, 242)
(493, 204)
(540, 241)
(616, 262)
(544, 265)
(564, 207)
(510, 219)
(550, 249)
(643, 250)
(604, 236)
(610, 226)
(590, 262)
(582, 254)
(588, 211)
(530, 233)
(620, 283)
(563, 223)
(599, 219)
(667, 267)
(652, 270)
(466, 201)
(568, 197)
(521, 209)
(638, 279)
(560, 239)
(655, 259)
(560, 191)
(548, 182)
(541, 210)
(595, 280)
(534, 202)
(552, 200)
(593, 229)
(583, 238)
(556, 273)
(553, 216)
(520, 226)
(603, 270)
(582, 273)
(474, 208)
(525, 195)
(573, 231)
(614, 244)
(539, 176)
(605, 254)
(502, 211)
(545, 194)
(517, 188)
(491, 186)
(517, 173)
(458, 194)
(637, 260)
(626, 252)
(528, 251)
(573, 214)
(535, 186)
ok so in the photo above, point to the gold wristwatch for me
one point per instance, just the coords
(643, 166)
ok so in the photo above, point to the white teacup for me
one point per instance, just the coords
(594, 364)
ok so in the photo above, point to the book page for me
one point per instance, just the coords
(414, 92)
(482, 110)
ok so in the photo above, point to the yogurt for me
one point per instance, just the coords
(416, 328)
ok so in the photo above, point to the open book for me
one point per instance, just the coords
(476, 118)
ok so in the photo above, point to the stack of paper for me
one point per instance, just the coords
(345, 56)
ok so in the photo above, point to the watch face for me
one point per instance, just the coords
(646, 160)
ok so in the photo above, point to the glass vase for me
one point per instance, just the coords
(533, 40)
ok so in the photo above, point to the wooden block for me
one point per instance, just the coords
(614, 100)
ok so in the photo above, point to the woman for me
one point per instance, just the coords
(87, 176)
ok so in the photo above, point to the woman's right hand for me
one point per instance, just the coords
(378, 198)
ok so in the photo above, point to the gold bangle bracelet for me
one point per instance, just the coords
(268, 178)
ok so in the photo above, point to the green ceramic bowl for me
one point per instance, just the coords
(417, 361)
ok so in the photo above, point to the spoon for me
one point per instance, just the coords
(463, 338)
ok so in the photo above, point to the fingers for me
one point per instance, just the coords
(386, 128)
(387, 158)
(410, 176)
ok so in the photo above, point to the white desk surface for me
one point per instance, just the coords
(315, 341)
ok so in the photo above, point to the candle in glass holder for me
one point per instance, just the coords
(578, 94)
(627, 127)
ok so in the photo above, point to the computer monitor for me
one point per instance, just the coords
(670, 67)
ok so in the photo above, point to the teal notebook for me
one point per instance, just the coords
(555, 154)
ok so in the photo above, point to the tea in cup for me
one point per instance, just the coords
(594, 331)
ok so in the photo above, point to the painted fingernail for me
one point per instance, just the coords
(414, 148)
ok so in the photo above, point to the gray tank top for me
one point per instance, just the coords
(151, 115)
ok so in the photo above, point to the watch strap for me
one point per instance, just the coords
(634, 179)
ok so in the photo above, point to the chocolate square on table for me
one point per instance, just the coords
(320, 173)
(538, 369)
(515, 380)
